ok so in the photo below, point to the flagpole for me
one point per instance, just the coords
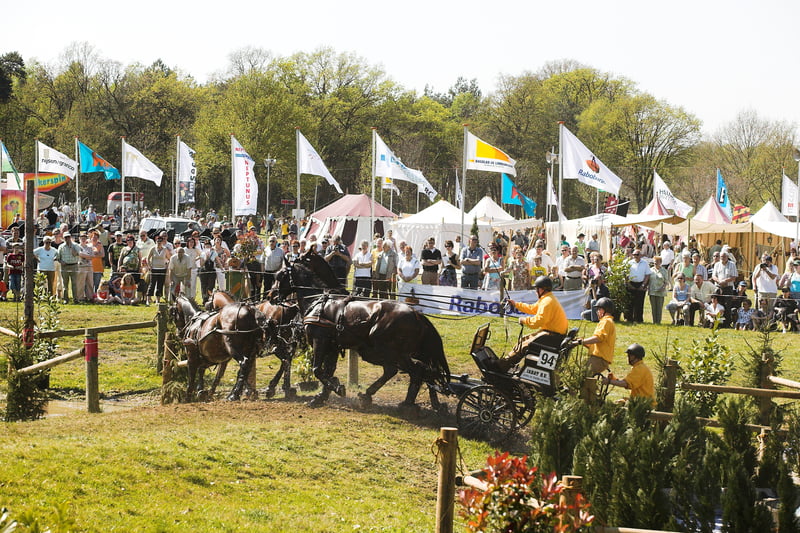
(77, 177)
(297, 150)
(372, 185)
(560, 173)
(177, 172)
(233, 185)
(464, 183)
(122, 226)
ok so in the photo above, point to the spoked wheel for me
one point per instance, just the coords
(524, 404)
(486, 413)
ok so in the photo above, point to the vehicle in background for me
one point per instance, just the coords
(177, 225)
(132, 199)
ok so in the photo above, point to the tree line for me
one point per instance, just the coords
(336, 97)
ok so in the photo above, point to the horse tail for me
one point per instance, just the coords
(434, 349)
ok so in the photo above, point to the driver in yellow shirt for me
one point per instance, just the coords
(546, 315)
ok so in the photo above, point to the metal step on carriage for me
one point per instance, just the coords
(502, 401)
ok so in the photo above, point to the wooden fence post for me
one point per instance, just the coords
(670, 382)
(92, 382)
(448, 450)
(161, 321)
(352, 368)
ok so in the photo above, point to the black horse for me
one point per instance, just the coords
(386, 333)
(215, 337)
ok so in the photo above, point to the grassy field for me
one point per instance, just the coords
(271, 465)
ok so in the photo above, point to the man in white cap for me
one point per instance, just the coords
(69, 256)
(46, 258)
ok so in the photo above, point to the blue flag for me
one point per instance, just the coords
(528, 205)
(722, 195)
(92, 162)
(510, 193)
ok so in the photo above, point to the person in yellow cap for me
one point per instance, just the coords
(601, 343)
(640, 379)
(546, 315)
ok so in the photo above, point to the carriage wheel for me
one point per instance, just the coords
(524, 404)
(487, 413)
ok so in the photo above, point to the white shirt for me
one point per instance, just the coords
(667, 257)
(363, 257)
(407, 267)
(762, 282)
(639, 270)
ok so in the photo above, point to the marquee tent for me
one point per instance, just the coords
(767, 231)
(349, 217)
(442, 221)
(487, 210)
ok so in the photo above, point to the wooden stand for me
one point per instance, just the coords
(92, 381)
(448, 449)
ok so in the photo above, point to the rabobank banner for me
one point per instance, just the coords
(435, 300)
(581, 164)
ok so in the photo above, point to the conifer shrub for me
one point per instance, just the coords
(617, 280)
(709, 362)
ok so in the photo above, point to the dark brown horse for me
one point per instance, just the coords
(386, 333)
(283, 332)
(212, 338)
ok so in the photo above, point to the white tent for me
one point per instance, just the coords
(600, 224)
(487, 210)
(768, 215)
(442, 221)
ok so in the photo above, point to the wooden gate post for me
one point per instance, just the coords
(161, 321)
(765, 403)
(670, 382)
(448, 449)
(92, 382)
(352, 368)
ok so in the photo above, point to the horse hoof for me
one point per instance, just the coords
(364, 400)
(233, 398)
(316, 402)
(289, 393)
(340, 391)
(409, 409)
(269, 393)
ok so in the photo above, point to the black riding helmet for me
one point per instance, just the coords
(543, 282)
(636, 350)
(606, 304)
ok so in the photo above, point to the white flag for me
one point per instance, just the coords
(581, 164)
(388, 185)
(187, 174)
(245, 188)
(661, 191)
(459, 195)
(51, 160)
(135, 165)
(309, 162)
(788, 197)
(551, 192)
(389, 165)
(484, 156)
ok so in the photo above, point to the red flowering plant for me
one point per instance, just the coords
(520, 499)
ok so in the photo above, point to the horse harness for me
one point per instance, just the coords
(191, 332)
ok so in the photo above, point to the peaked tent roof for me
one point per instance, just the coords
(768, 213)
(436, 213)
(488, 210)
(655, 207)
(653, 214)
(711, 213)
(352, 205)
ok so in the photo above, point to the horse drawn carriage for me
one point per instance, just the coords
(503, 400)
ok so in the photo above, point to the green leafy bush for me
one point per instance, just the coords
(708, 362)
(617, 280)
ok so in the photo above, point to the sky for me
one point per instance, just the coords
(713, 58)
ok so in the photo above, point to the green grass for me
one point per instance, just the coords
(258, 466)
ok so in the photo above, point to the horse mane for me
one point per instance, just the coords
(320, 272)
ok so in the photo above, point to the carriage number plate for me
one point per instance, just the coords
(534, 375)
(547, 359)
